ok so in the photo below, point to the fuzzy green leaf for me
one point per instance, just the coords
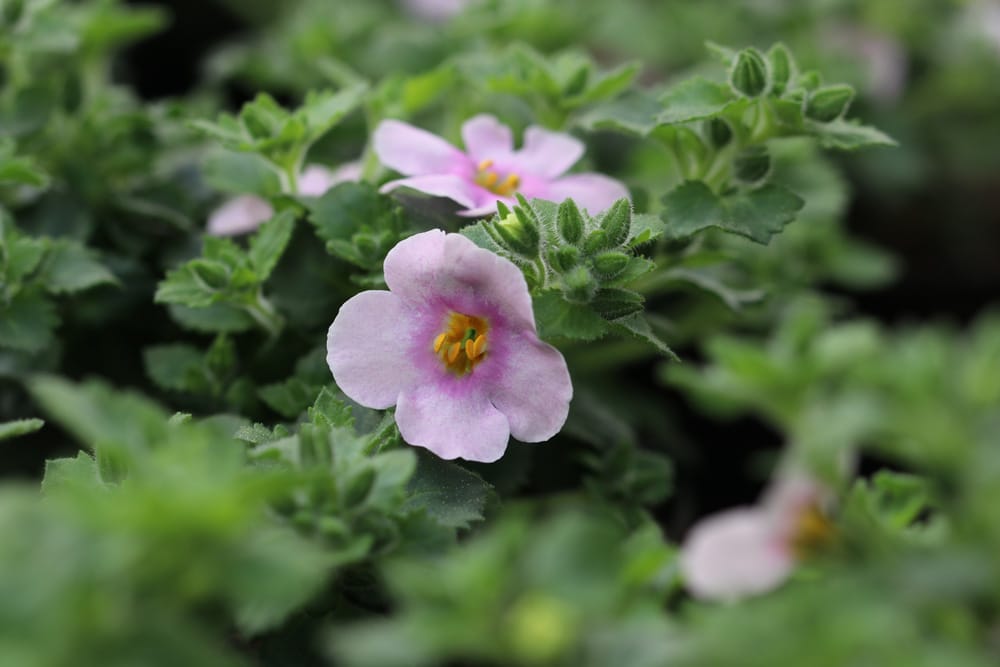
(17, 427)
(756, 214)
(451, 495)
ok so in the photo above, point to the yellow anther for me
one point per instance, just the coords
(508, 185)
(490, 179)
(439, 341)
(468, 348)
(478, 347)
(484, 165)
(453, 352)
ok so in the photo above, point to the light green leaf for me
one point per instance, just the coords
(17, 427)
(637, 326)
(558, 318)
(72, 267)
(451, 495)
(848, 136)
(27, 322)
(694, 99)
(269, 243)
(757, 214)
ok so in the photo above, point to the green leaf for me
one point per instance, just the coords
(637, 326)
(558, 318)
(329, 410)
(22, 171)
(645, 228)
(694, 99)
(79, 472)
(71, 267)
(269, 243)
(358, 224)
(27, 322)
(848, 136)
(289, 398)
(240, 173)
(13, 429)
(634, 113)
(757, 214)
(176, 367)
(451, 495)
(216, 318)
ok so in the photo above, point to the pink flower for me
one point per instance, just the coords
(490, 170)
(751, 550)
(453, 346)
(435, 11)
(246, 213)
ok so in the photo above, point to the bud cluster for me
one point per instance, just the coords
(586, 258)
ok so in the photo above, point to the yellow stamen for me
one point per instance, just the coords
(478, 347)
(813, 531)
(484, 165)
(490, 179)
(461, 345)
(509, 185)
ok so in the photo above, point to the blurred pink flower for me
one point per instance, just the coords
(751, 550)
(490, 170)
(453, 346)
(246, 213)
(435, 11)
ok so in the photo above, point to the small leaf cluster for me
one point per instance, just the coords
(229, 279)
(281, 136)
(34, 272)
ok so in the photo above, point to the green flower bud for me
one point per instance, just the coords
(579, 285)
(358, 487)
(596, 240)
(569, 222)
(541, 629)
(565, 258)
(613, 303)
(617, 222)
(782, 67)
(810, 80)
(610, 264)
(829, 103)
(749, 76)
(719, 132)
(752, 165)
(516, 233)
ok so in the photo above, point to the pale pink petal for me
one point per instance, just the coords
(315, 179)
(790, 496)
(367, 348)
(239, 215)
(452, 425)
(486, 210)
(416, 152)
(535, 390)
(455, 188)
(734, 554)
(435, 11)
(432, 265)
(546, 153)
(593, 192)
(486, 138)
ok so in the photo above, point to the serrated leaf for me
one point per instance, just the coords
(757, 214)
(646, 227)
(18, 427)
(79, 472)
(694, 99)
(638, 326)
(215, 318)
(72, 267)
(558, 318)
(329, 410)
(704, 280)
(633, 113)
(451, 495)
(258, 434)
(269, 243)
(289, 398)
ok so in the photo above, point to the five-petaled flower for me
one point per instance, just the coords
(246, 213)
(490, 170)
(751, 550)
(453, 346)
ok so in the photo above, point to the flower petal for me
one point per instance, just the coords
(416, 152)
(316, 179)
(367, 348)
(546, 153)
(433, 265)
(487, 138)
(452, 425)
(594, 192)
(239, 215)
(734, 554)
(534, 390)
(453, 187)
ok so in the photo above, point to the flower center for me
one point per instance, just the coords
(813, 531)
(490, 179)
(462, 343)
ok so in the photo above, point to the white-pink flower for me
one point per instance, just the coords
(245, 213)
(751, 550)
(435, 11)
(453, 346)
(490, 169)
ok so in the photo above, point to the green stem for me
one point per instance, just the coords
(266, 316)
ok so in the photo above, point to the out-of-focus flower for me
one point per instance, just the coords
(453, 346)
(436, 11)
(883, 57)
(490, 170)
(751, 550)
(246, 213)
